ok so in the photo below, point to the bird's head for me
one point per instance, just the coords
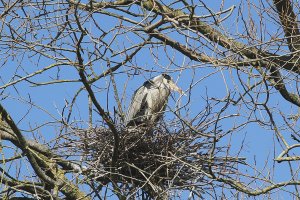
(168, 82)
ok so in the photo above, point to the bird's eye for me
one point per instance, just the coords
(166, 76)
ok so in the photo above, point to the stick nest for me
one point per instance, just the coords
(151, 156)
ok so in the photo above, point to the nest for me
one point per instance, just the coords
(148, 157)
(151, 156)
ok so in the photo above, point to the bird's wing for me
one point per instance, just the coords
(137, 106)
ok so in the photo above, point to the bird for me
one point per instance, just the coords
(150, 100)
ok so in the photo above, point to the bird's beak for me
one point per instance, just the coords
(174, 87)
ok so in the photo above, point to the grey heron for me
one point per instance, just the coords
(149, 101)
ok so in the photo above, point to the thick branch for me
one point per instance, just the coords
(5, 118)
(30, 187)
(38, 151)
(243, 188)
(289, 22)
(277, 82)
(280, 158)
(265, 58)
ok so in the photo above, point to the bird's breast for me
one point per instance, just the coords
(158, 98)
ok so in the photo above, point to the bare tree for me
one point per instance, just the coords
(69, 68)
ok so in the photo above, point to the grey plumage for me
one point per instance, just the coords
(149, 101)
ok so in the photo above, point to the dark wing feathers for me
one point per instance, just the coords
(148, 84)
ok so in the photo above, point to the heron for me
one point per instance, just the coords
(150, 100)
